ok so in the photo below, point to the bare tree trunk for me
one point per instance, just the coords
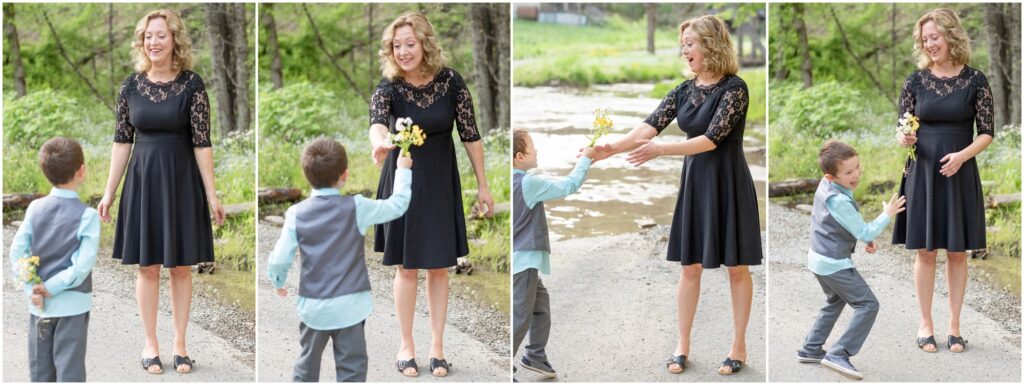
(995, 27)
(1014, 26)
(267, 17)
(11, 33)
(238, 26)
(858, 60)
(370, 51)
(483, 60)
(805, 52)
(781, 72)
(220, 81)
(652, 21)
(331, 58)
(892, 30)
(504, 37)
(110, 49)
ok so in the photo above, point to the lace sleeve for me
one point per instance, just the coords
(731, 112)
(983, 108)
(199, 113)
(380, 105)
(908, 101)
(124, 132)
(465, 117)
(666, 111)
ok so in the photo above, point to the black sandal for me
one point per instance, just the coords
(402, 365)
(953, 340)
(924, 341)
(678, 360)
(437, 364)
(147, 362)
(734, 366)
(182, 360)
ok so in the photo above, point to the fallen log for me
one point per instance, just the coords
(792, 187)
(999, 200)
(237, 209)
(20, 201)
(278, 195)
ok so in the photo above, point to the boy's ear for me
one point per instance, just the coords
(344, 176)
(80, 173)
(519, 156)
(830, 177)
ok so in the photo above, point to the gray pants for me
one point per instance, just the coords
(350, 359)
(841, 288)
(531, 313)
(56, 348)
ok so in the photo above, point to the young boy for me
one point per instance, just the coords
(836, 226)
(64, 233)
(531, 247)
(328, 230)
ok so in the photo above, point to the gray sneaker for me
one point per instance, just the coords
(543, 368)
(842, 365)
(808, 358)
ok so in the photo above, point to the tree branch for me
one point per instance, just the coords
(846, 43)
(64, 54)
(331, 58)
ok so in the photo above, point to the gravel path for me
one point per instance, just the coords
(613, 301)
(221, 337)
(476, 337)
(990, 321)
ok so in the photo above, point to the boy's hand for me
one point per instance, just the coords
(40, 289)
(405, 161)
(590, 152)
(598, 152)
(37, 300)
(870, 247)
(894, 206)
(282, 292)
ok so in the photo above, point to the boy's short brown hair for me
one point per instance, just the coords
(60, 158)
(323, 162)
(519, 141)
(832, 153)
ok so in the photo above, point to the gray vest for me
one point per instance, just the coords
(55, 222)
(828, 237)
(529, 226)
(331, 246)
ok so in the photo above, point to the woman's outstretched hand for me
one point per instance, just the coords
(648, 150)
(104, 207)
(380, 153)
(596, 153)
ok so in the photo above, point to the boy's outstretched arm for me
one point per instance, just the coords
(83, 259)
(281, 257)
(538, 189)
(843, 210)
(370, 212)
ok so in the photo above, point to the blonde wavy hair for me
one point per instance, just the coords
(433, 56)
(719, 54)
(181, 58)
(948, 24)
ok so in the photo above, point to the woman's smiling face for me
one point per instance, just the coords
(158, 41)
(934, 43)
(691, 50)
(407, 49)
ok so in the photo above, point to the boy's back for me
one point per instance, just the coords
(331, 245)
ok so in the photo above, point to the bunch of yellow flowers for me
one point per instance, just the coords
(602, 123)
(909, 125)
(27, 270)
(406, 135)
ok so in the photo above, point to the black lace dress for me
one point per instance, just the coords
(432, 233)
(716, 219)
(163, 217)
(944, 213)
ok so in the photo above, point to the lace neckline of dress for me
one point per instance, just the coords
(928, 72)
(710, 86)
(145, 78)
(424, 86)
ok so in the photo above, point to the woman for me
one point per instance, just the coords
(945, 208)
(716, 217)
(163, 216)
(432, 233)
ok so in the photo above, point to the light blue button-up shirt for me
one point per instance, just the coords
(62, 302)
(538, 189)
(349, 309)
(841, 208)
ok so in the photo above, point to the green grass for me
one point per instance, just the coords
(534, 40)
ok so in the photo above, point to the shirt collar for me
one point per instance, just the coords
(518, 171)
(325, 191)
(842, 189)
(63, 193)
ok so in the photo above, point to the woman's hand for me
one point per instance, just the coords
(906, 140)
(596, 153)
(380, 152)
(648, 150)
(485, 201)
(217, 211)
(952, 161)
(104, 207)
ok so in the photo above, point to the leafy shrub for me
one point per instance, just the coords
(32, 120)
(300, 111)
(823, 110)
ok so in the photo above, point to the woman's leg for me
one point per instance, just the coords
(924, 283)
(688, 294)
(742, 287)
(181, 307)
(437, 301)
(147, 293)
(956, 277)
(405, 306)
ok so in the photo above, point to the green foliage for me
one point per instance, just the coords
(39, 116)
(824, 110)
(299, 111)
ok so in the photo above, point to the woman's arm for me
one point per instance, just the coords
(953, 161)
(629, 142)
(983, 107)
(204, 156)
(119, 154)
(475, 150)
(649, 150)
(378, 141)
